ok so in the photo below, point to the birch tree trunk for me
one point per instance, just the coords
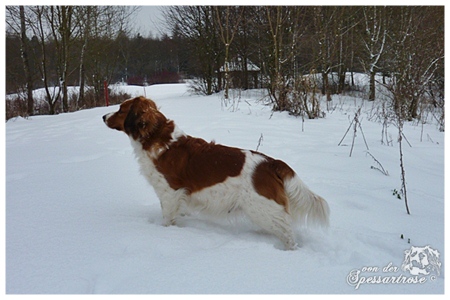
(374, 41)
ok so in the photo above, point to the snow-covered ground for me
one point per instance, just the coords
(81, 219)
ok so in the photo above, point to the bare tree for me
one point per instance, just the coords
(26, 63)
(197, 25)
(106, 26)
(346, 22)
(41, 31)
(374, 39)
(60, 20)
(85, 23)
(416, 55)
(227, 32)
(19, 14)
(325, 18)
(281, 24)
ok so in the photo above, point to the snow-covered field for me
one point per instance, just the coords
(81, 219)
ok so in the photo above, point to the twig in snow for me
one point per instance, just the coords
(356, 123)
(380, 167)
(406, 140)
(259, 142)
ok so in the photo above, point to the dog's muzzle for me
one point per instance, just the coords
(105, 117)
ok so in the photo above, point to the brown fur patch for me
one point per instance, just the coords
(268, 180)
(194, 164)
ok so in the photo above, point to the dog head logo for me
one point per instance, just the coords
(421, 261)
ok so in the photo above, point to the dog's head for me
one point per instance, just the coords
(421, 260)
(137, 117)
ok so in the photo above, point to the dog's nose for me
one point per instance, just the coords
(104, 118)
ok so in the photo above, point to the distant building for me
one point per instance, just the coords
(242, 75)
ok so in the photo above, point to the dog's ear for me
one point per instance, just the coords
(143, 118)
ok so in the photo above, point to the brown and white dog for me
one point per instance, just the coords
(189, 172)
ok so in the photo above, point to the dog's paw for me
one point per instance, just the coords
(167, 223)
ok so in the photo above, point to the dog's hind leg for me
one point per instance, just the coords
(273, 218)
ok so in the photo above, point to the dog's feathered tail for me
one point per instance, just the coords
(305, 206)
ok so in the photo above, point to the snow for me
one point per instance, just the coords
(80, 219)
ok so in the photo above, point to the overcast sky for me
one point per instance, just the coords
(149, 20)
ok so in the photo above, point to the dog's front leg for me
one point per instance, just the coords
(170, 206)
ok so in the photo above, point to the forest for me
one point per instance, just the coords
(299, 54)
